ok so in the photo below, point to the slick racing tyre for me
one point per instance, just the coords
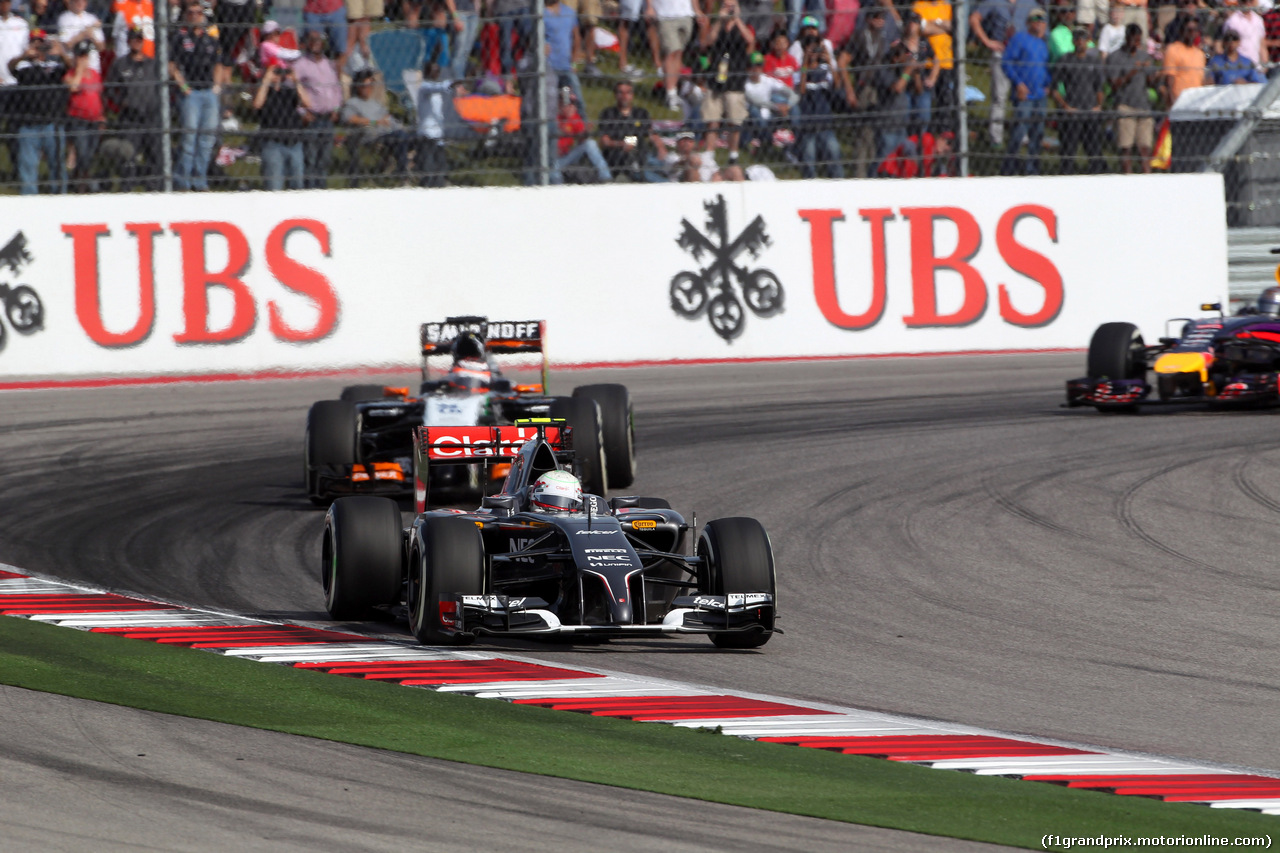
(1116, 351)
(583, 415)
(725, 314)
(617, 428)
(23, 308)
(362, 393)
(361, 555)
(331, 439)
(763, 293)
(449, 561)
(738, 558)
(688, 294)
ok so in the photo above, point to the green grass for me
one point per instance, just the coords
(650, 757)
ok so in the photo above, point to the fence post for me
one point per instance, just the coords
(544, 165)
(960, 36)
(160, 15)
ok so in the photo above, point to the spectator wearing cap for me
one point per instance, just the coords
(769, 103)
(270, 53)
(133, 83)
(676, 19)
(85, 116)
(729, 43)
(817, 142)
(38, 108)
(371, 125)
(1184, 63)
(317, 76)
(1026, 64)
(686, 164)
(925, 69)
(279, 100)
(1248, 24)
(130, 15)
(197, 65)
(994, 23)
(1231, 66)
(1130, 71)
(1079, 87)
(1062, 37)
(810, 33)
(574, 142)
(76, 25)
(800, 10)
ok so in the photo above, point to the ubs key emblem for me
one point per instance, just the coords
(711, 290)
(22, 306)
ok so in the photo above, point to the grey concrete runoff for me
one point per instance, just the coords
(951, 542)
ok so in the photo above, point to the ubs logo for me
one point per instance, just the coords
(22, 306)
(711, 290)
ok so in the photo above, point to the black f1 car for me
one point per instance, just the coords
(363, 442)
(1219, 359)
(616, 568)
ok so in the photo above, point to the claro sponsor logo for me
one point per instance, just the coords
(925, 264)
(198, 280)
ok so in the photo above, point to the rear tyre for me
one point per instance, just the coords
(583, 415)
(1116, 351)
(331, 439)
(450, 561)
(738, 558)
(361, 555)
(362, 393)
(617, 429)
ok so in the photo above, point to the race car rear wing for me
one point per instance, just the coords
(480, 445)
(506, 337)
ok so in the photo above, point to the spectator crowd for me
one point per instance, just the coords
(324, 93)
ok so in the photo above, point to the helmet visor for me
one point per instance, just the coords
(556, 503)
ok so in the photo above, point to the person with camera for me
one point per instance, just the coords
(278, 100)
(38, 107)
(815, 123)
(197, 65)
(729, 43)
(628, 139)
(317, 75)
(926, 69)
(894, 84)
(85, 116)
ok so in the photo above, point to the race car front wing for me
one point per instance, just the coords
(690, 614)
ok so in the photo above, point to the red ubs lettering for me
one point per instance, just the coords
(922, 224)
(198, 280)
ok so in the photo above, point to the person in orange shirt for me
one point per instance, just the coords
(935, 19)
(1184, 63)
(134, 15)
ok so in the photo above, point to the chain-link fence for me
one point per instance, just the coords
(342, 93)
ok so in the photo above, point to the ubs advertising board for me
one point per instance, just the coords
(151, 284)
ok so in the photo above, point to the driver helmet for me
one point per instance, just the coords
(470, 377)
(556, 491)
(1269, 302)
(467, 347)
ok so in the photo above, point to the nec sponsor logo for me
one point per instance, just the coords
(597, 533)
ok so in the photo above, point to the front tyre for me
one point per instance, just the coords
(363, 393)
(448, 561)
(361, 555)
(330, 440)
(737, 558)
(617, 430)
(1117, 351)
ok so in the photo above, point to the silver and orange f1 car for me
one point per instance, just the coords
(1218, 359)
(362, 443)
(613, 568)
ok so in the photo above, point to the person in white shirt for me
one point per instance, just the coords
(434, 91)
(676, 19)
(1111, 37)
(75, 25)
(14, 34)
(687, 164)
(1248, 23)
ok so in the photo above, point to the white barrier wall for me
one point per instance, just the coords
(309, 280)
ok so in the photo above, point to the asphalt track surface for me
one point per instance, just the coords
(951, 543)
